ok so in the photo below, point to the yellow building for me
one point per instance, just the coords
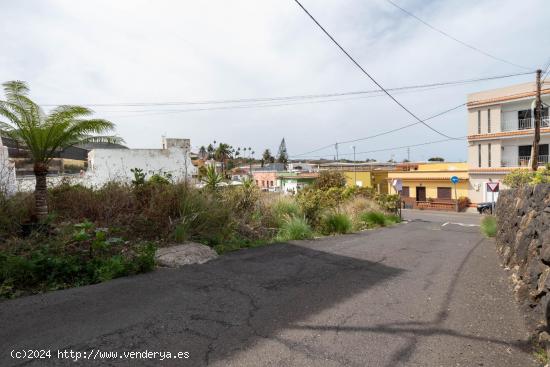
(430, 183)
(372, 178)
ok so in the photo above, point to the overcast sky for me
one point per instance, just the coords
(95, 52)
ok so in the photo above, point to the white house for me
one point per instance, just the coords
(106, 165)
(500, 134)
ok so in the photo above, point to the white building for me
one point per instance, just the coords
(106, 165)
(7, 172)
(500, 134)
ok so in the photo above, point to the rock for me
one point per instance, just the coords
(186, 254)
(544, 337)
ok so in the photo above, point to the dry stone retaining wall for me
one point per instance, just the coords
(523, 242)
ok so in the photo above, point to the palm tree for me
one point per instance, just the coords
(44, 135)
(223, 153)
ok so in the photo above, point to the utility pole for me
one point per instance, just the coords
(336, 147)
(535, 149)
(409, 154)
(354, 167)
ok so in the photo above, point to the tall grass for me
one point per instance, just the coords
(489, 226)
(284, 207)
(373, 219)
(333, 223)
(294, 228)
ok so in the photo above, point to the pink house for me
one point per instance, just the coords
(265, 179)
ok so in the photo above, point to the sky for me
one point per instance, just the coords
(143, 51)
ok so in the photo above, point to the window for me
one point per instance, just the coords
(479, 122)
(489, 123)
(271, 183)
(524, 151)
(489, 155)
(263, 183)
(444, 193)
(257, 183)
(479, 155)
(524, 119)
(405, 192)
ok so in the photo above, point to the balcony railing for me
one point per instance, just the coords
(523, 124)
(524, 161)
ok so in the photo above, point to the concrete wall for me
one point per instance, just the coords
(106, 165)
(27, 183)
(478, 186)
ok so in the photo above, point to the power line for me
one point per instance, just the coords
(369, 76)
(294, 97)
(384, 132)
(454, 38)
(399, 128)
(397, 148)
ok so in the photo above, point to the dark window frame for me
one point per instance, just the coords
(479, 155)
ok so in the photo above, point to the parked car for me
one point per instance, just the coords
(485, 208)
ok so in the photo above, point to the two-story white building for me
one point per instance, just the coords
(501, 132)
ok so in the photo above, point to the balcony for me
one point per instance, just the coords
(524, 161)
(523, 124)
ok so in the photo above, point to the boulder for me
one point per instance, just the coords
(189, 253)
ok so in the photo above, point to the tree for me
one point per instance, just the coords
(210, 150)
(436, 159)
(44, 135)
(223, 153)
(203, 153)
(282, 155)
(267, 157)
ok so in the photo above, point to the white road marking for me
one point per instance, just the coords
(460, 224)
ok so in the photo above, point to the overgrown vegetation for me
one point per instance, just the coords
(76, 255)
(93, 235)
(489, 226)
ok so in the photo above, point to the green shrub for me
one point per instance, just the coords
(294, 228)
(489, 226)
(333, 222)
(285, 207)
(330, 179)
(524, 177)
(387, 202)
(373, 219)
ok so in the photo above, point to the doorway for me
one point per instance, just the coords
(420, 193)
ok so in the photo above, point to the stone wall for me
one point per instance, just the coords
(523, 242)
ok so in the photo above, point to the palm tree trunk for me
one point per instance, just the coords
(41, 191)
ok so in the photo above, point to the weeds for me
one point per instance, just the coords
(489, 226)
(294, 228)
(336, 223)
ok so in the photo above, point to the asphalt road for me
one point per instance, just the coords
(416, 294)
